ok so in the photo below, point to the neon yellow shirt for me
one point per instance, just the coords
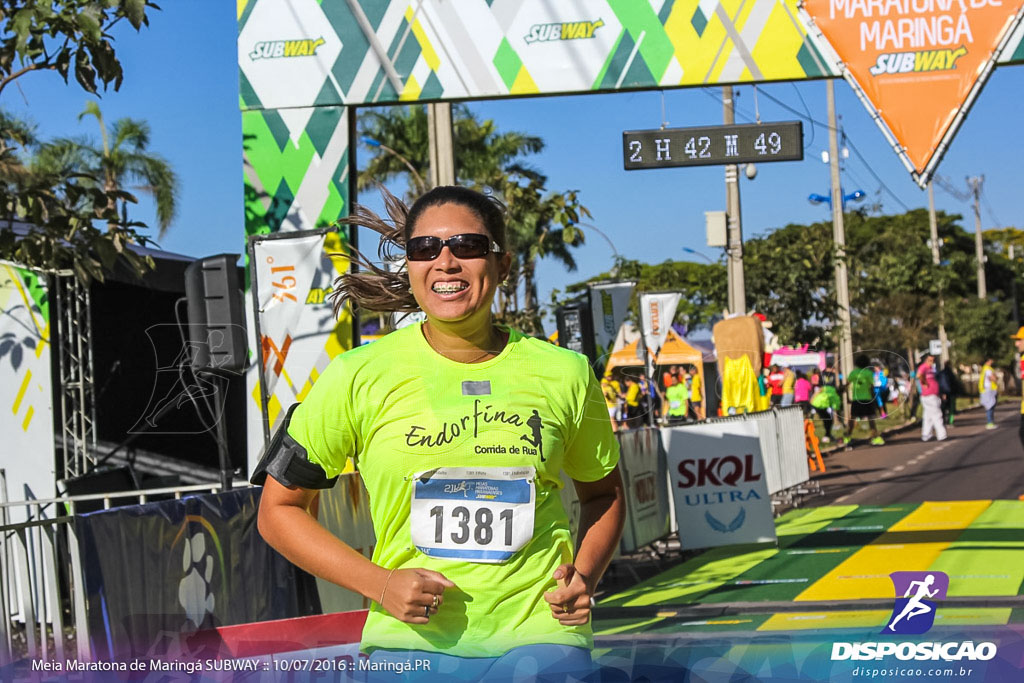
(400, 409)
(695, 393)
(788, 381)
(676, 395)
(611, 390)
(633, 395)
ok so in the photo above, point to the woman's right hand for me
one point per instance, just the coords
(411, 595)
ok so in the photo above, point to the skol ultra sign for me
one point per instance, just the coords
(918, 62)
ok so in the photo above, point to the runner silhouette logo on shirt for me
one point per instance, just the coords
(916, 593)
(534, 438)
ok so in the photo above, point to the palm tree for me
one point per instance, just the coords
(15, 135)
(122, 162)
(541, 224)
(400, 137)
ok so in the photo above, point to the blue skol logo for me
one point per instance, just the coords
(914, 612)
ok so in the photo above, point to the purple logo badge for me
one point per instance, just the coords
(916, 593)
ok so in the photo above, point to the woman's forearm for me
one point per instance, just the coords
(601, 521)
(294, 533)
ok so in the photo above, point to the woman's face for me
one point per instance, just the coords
(449, 289)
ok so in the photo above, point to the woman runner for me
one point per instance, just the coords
(460, 429)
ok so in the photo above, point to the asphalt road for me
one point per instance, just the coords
(972, 464)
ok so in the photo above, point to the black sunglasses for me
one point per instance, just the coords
(469, 245)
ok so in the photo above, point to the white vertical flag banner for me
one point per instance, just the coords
(284, 273)
(609, 304)
(656, 314)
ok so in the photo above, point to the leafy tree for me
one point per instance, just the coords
(702, 286)
(121, 162)
(62, 207)
(66, 36)
(979, 330)
(790, 278)
(61, 203)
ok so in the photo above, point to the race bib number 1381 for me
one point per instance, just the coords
(473, 514)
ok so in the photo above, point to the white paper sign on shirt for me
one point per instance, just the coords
(284, 271)
(474, 514)
(657, 312)
(717, 478)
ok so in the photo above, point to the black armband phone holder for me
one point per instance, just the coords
(286, 461)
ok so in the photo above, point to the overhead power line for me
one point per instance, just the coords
(946, 186)
(881, 183)
(990, 211)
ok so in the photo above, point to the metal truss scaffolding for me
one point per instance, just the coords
(77, 397)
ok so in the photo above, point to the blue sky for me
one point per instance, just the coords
(181, 76)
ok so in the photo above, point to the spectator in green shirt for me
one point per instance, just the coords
(863, 405)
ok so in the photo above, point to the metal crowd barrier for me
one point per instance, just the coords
(33, 554)
(782, 445)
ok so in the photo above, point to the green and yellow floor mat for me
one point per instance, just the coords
(836, 558)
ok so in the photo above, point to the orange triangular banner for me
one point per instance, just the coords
(918, 62)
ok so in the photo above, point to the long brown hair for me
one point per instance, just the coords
(378, 289)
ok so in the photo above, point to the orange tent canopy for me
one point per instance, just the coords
(675, 351)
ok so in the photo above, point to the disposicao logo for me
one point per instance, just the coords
(273, 49)
(914, 614)
(564, 30)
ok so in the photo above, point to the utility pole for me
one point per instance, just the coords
(839, 237)
(975, 184)
(442, 149)
(734, 250)
(933, 223)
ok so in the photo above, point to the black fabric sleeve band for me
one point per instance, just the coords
(286, 461)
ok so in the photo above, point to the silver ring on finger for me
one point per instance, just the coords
(426, 611)
(436, 602)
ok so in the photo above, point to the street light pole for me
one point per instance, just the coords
(839, 237)
(442, 148)
(933, 224)
(734, 250)
(975, 184)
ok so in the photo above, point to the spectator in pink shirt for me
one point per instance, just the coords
(931, 421)
(802, 392)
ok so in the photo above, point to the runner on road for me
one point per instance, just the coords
(456, 407)
(988, 390)
(863, 405)
(931, 420)
(1018, 341)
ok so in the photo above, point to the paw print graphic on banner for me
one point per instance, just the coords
(194, 588)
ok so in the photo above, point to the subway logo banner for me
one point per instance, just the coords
(304, 63)
(919, 63)
(301, 53)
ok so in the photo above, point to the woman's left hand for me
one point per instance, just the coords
(570, 602)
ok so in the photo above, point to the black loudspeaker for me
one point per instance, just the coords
(215, 314)
(576, 329)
